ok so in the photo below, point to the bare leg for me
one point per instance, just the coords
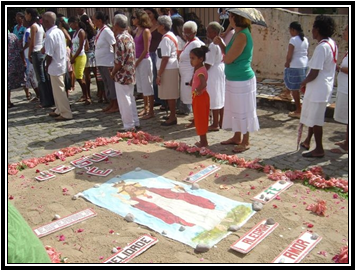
(296, 97)
(221, 113)
(215, 125)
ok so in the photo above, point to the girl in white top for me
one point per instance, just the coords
(216, 78)
(319, 84)
(296, 65)
(341, 112)
(79, 58)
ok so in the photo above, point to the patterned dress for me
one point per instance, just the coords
(15, 65)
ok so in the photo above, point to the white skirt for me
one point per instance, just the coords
(216, 86)
(313, 113)
(240, 106)
(144, 77)
(341, 112)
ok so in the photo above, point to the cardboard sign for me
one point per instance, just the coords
(271, 192)
(81, 162)
(45, 175)
(62, 169)
(99, 172)
(64, 222)
(253, 237)
(97, 157)
(132, 250)
(298, 249)
(111, 152)
(202, 174)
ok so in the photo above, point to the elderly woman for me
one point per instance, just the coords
(124, 73)
(216, 78)
(167, 68)
(186, 70)
(240, 97)
(319, 84)
(104, 57)
(144, 68)
(342, 98)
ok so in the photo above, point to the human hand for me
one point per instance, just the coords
(217, 40)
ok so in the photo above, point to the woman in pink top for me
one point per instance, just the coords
(144, 74)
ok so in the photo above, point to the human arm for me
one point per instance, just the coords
(236, 49)
(229, 28)
(311, 77)
(342, 69)
(289, 55)
(82, 38)
(146, 42)
(164, 63)
(219, 41)
(202, 84)
(32, 41)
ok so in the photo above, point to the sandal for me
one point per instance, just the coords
(146, 117)
(241, 148)
(229, 142)
(190, 125)
(87, 102)
(339, 150)
(82, 99)
(213, 129)
(294, 115)
(29, 96)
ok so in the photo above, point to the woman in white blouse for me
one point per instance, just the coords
(167, 68)
(216, 78)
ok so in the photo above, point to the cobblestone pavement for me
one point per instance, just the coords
(32, 133)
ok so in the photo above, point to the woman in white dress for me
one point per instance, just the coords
(342, 98)
(186, 70)
(216, 79)
(319, 84)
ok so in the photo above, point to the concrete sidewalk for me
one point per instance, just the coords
(32, 133)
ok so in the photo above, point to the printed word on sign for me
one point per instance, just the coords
(45, 175)
(81, 162)
(271, 192)
(298, 249)
(253, 237)
(62, 169)
(111, 152)
(202, 174)
(132, 250)
(97, 157)
(99, 172)
(64, 222)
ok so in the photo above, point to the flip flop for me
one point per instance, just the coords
(339, 143)
(310, 155)
(302, 145)
(211, 129)
(229, 142)
(294, 115)
(339, 150)
(190, 125)
(240, 148)
(146, 117)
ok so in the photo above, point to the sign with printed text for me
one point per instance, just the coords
(202, 174)
(253, 237)
(62, 169)
(44, 175)
(64, 222)
(271, 192)
(111, 152)
(132, 250)
(99, 172)
(298, 249)
(81, 162)
(97, 157)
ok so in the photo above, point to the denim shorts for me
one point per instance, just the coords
(293, 77)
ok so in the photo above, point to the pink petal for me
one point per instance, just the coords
(11, 197)
(111, 232)
(335, 196)
(101, 257)
(80, 230)
(62, 238)
(310, 225)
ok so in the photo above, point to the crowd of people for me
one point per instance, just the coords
(161, 55)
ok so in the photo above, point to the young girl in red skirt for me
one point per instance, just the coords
(201, 100)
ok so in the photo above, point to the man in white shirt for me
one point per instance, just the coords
(56, 65)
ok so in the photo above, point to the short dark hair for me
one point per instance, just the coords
(241, 21)
(325, 25)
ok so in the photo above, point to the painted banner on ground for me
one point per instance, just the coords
(190, 216)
